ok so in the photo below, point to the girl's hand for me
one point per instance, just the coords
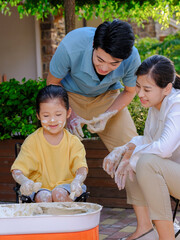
(27, 185)
(76, 188)
(112, 160)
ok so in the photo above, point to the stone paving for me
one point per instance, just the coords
(116, 223)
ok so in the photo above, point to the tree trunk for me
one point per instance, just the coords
(69, 8)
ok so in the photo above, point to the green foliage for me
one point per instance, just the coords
(137, 10)
(17, 108)
(170, 48)
(138, 114)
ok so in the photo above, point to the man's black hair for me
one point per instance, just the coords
(115, 38)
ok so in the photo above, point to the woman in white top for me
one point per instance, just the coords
(149, 166)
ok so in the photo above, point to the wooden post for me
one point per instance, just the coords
(4, 78)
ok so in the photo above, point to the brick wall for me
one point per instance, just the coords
(52, 32)
(148, 30)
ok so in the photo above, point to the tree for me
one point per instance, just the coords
(136, 10)
(69, 8)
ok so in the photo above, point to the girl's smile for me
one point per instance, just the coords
(53, 115)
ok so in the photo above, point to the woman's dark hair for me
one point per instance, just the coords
(115, 38)
(161, 69)
(52, 92)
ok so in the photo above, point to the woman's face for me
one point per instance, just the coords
(103, 62)
(149, 93)
(53, 116)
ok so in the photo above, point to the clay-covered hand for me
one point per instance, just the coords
(98, 124)
(74, 125)
(27, 186)
(76, 189)
(112, 160)
(123, 171)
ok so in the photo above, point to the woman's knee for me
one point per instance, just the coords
(144, 165)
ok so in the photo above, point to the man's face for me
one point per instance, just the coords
(103, 62)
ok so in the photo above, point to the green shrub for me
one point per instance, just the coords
(17, 108)
(170, 48)
(138, 114)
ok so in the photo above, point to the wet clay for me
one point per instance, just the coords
(33, 209)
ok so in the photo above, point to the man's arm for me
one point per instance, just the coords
(53, 80)
(98, 124)
(123, 99)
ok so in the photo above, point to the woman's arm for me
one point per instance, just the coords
(169, 140)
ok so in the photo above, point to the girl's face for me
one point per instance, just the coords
(149, 93)
(53, 116)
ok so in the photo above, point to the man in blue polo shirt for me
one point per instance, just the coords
(89, 63)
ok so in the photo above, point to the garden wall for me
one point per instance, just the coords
(7, 156)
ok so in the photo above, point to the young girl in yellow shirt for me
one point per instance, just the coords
(51, 163)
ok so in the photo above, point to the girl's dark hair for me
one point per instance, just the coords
(51, 92)
(161, 69)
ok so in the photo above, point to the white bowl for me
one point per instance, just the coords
(68, 221)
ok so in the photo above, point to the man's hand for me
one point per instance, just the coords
(112, 160)
(74, 125)
(98, 124)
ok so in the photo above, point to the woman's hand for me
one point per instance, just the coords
(112, 160)
(123, 171)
